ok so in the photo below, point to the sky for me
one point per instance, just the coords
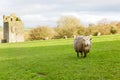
(47, 12)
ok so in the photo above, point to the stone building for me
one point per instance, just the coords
(13, 29)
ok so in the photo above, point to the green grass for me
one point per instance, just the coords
(56, 60)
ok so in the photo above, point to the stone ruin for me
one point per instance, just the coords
(13, 29)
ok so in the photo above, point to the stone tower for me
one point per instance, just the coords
(13, 30)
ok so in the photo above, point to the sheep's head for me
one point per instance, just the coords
(87, 43)
(87, 40)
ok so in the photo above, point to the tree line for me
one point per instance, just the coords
(69, 26)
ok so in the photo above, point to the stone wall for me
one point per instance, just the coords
(13, 30)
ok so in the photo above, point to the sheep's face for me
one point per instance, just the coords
(87, 41)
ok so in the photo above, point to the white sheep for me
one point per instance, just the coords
(82, 44)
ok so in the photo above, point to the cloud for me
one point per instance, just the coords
(47, 12)
(94, 17)
(35, 20)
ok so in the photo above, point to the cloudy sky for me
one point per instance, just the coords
(47, 12)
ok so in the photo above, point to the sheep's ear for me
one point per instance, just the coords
(90, 37)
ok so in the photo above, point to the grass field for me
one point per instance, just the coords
(56, 60)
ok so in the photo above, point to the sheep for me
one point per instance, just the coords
(82, 44)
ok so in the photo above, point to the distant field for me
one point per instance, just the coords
(56, 60)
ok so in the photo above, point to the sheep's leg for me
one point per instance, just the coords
(78, 54)
(85, 54)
